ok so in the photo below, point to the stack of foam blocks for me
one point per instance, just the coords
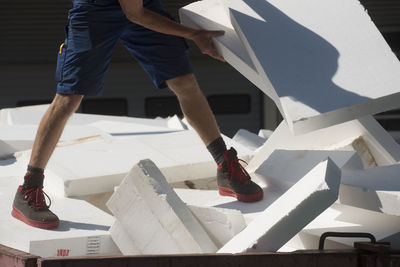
(136, 186)
(138, 159)
(327, 71)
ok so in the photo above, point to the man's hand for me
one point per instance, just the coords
(203, 39)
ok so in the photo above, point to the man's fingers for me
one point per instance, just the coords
(214, 53)
(217, 33)
(220, 58)
(203, 39)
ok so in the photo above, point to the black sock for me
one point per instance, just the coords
(217, 149)
(35, 170)
(34, 177)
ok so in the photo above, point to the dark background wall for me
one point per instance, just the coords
(32, 31)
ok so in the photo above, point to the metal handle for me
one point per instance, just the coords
(342, 234)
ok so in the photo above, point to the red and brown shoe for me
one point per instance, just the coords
(30, 207)
(233, 180)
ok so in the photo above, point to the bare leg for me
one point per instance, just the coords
(195, 107)
(51, 128)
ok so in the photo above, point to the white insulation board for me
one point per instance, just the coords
(381, 145)
(306, 62)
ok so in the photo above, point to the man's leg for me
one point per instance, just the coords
(195, 107)
(29, 203)
(165, 59)
(82, 62)
(51, 128)
(232, 178)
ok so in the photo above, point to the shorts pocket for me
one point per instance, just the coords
(62, 52)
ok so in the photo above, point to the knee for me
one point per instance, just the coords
(66, 105)
(184, 86)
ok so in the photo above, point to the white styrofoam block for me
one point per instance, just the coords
(381, 145)
(176, 123)
(98, 200)
(305, 240)
(383, 201)
(395, 135)
(127, 129)
(378, 178)
(29, 115)
(284, 218)
(210, 15)
(386, 203)
(384, 149)
(286, 167)
(287, 248)
(376, 200)
(190, 154)
(6, 149)
(354, 163)
(202, 184)
(249, 139)
(14, 164)
(98, 166)
(314, 72)
(202, 198)
(176, 229)
(143, 228)
(23, 115)
(80, 118)
(186, 123)
(364, 153)
(122, 239)
(83, 229)
(343, 218)
(265, 133)
(211, 198)
(374, 189)
(221, 224)
(21, 137)
(18, 138)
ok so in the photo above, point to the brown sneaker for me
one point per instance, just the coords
(30, 206)
(233, 180)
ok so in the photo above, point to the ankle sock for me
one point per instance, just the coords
(217, 149)
(33, 177)
(35, 170)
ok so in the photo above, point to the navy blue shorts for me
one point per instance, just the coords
(94, 28)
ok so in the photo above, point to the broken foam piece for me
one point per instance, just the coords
(144, 202)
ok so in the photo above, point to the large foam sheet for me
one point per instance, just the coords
(319, 68)
(316, 62)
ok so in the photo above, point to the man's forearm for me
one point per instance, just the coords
(136, 13)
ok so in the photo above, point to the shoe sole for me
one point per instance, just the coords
(224, 191)
(44, 225)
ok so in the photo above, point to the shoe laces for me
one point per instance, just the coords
(236, 170)
(36, 196)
